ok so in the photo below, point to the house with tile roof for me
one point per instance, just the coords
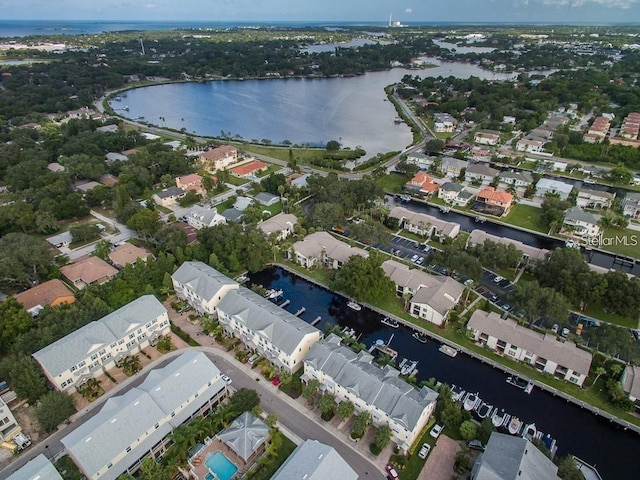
(88, 271)
(48, 294)
(95, 348)
(355, 377)
(421, 183)
(193, 182)
(312, 460)
(321, 249)
(218, 158)
(201, 286)
(492, 201)
(250, 169)
(423, 224)
(137, 424)
(39, 468)
(279, 226)
(560, 358)
(127, 254)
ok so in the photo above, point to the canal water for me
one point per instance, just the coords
(613, 450)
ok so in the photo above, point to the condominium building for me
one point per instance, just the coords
(321, 249)
(201, 286)
(423, 224)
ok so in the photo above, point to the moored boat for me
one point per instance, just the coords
(530, 431)
(498, 418)
(457, 393)
(471, 401)
(421, 337)
(391, 322)
(517, 382)
(589, 472)
(447, 350)
(409, 367)
(272, 293)
(484, 410)
(354, 306)
(515, 426)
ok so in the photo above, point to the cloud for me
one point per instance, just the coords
(150, 5)
(605, 3)
(408, 10)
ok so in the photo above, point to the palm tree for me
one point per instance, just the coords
(599, 371)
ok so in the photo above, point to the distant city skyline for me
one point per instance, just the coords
(365, 11)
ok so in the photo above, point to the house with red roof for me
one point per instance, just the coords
(422, 183)
(249, 169)
(493, 202)
(218, 158)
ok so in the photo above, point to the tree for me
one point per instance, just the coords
(145, 222)
(485, 430)
(26, 378)
(244, 400)
(345, 409)
(53, 409)
(539, 301)
(171, 238)
(553, 209)
(360, 425)
(568, 469)
(364, 279)
(599, 371)
(165, 344)
(622, 294)
(620, 174)
(102, 249)
(14, 321)
(561, 272)
(468, 430)
(326, 405)
(130, 364)
(310, 390)
(333, 146)
(84, 232)
(382, 437)
(24, 260)
(434, 147)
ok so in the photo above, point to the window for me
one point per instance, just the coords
(82, 364)
(94, 356)
(128, 449)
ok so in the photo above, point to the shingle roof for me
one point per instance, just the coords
(40, 468)
(314, 244)
(44, 294)
(478, 237)
(88, 270)
(127, 253)
(631, 380)
(451, 187)
(517, 175)
(576, 214)
(415, 218)
(564, 353)
(482, 169)
(381, 388)
(245, 435)
(313, 460)
(278, 222)
(549, 184)
(170, 192)
(201, 279)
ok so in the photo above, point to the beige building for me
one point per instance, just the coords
(218, 158)
(88, 271)
(201, 286)
(279, 226)
(126, 254)
(423, 224)
(321, 249)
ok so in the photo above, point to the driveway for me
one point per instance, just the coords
(439, 464)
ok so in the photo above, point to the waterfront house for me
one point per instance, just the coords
(271, 331)
(421, 183)
(596, 199)
(201, 286)
(312, 460)
(508, 457)
(631, 205)
(449, 191)
(486, 137)
(137, 424)
(579, 223)
(548, 186)
(279, 226)
(530, 145)
(218, 158)
(249, 170)
(479, 172)
(423, 224)
(423, 161)
(50, 293)
(168, 196)
(88, 271)
(631, 383)
(126, 254)
(323, 250)
(39, 468)
(199, 217)
(492, 201)
(478, 237)
(355, 377)
(560, 358)
(517, 178)
(96, 347)
(452, 167)
(431, 297)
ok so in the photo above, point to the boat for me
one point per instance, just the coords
(590, 181)
(530, 431)
(391, 322)
(485, 410)
(471, 401)
(529, 387)
(405, 198)
(421, 337)
(272, 293)
(588, 471)
(520, 383)
(447, 350)
(457, 393)
(498, 418)
(354, 306)
(348, 332)
(550, 443)
(515, 425)
(409, 367)
(242, 279)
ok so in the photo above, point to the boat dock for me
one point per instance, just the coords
(316, 321)
(300, 312)
(285, 303)
(588, 471)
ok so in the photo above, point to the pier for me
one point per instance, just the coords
(316, 321)
(300, 312)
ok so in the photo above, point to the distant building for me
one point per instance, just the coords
(279, 226)
(312, 460)
(530, 145)
(242, 203)
(60, 240)
(631, 383)
(630, 205)
(516, 178)
(596, 199)
(481, 173)
(487, 137)
(444, 123)
(108, 129)
(267, 199)
(494, 202)
(423, 224)
(126, 254)
(250, 169)
(421, 160)
(112, 157)
(450, 192)
(321, 249)
(452, 167)
(478, 237)
(578, 223)
(218, 158)
(421, 183)
(51, 293)
(199, 217)
(554, 187)
(168, 196)
(193, 182)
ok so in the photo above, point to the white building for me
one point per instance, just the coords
(137, 424)
(594, 199)
(581, 224)
(276, 334)
(421, 160)
(95, 348)
(562, 359)
(279, 226)
(9, 427)
(486, 137)
(423, 224)
(379, 391)
(321, 249)
(452, 167)
(312, 460)
(631, 205)
(516, 178)
(201, 286)
(530, 145)
(199, 217)
(555, 187)
(40, 468)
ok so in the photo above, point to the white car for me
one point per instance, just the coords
(226, 379)
(415, 258)
(424, 451)
(498, 279)
(436, 430)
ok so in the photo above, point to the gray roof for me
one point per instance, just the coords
(202, 214)
(631, 381)
(576, 214)
(451, 187)
(517, 175)
(281, 328)
(453, 162)
(128, 417)
(242, 203)
(587, 192)
(80, 344)
(482, 169)
(380, 387)
(631, 198)
(558, 186)
(116, 157)
(170, 192)
(245, 435)
(313, 460)
(513, 458)
(40, 468)
(278, 223)
(478, 237)
(316, 243)
(232, 214)
(203, 280)
(565, 353)
(64, 237)
(265, 197)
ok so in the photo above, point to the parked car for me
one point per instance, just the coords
(498, 279)
(415, 258)
(554, 328)
(226, 379)
(253, 358)
(475, 445)
(392, 474)
(565, 332)
(436, 430)
(424, 450)
(420, 260)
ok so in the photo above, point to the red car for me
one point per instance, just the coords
(392, 474)
(276, 381)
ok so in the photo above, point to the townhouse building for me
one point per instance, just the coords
(202, 286)
(321, 249)
(423, 224)
(279, 226)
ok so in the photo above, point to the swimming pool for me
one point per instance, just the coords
(221, 466)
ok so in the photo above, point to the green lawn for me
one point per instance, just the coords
(596, 311)
(623, 242)
(66, 465)
(238, 182)
(303, 156)
(392, 183)
(525, 216)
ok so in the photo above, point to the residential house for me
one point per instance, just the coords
(249, 170)
(61, 240)
(88, 271)
(597, 199)
(322, 249)
(562, 359)
(508, 457)
(232, 215)
(431, 297)
(312, 460)
(464, 197)
(493, 202)
(246, 437)
(480, 154)
(39, 468)
(449, 191)
(113, 157)
(50, 293)
(169, 196)
(579, 223)
(478, 237)
(423, 224)
(530, 145)
(631, 205)
(137, 424)
(201, 286)
(9, 426)
(85, 186)
(267, 199)
(444, 122)
(199, 217)
(95, 348)
(479, 172)
(193, 182)
(546, 186)
(55, 167)
(452, 167)
(274, 333)
(423, 161)
(297, 180)
(242, 203)
(355, 377)
(109, 180)
(486, 137)
(280, 226)
(218, 158)
(517, 178)
(631, 383)
(421, 183)
(127, 254)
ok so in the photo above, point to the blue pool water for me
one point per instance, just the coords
(221, 466)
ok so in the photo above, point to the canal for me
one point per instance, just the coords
(468, 223)
(613, 450)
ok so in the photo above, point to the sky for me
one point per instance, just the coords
(420, 11)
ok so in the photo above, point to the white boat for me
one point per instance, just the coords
(457, 393)
(498, 418)
(354, 306)
(471, 401)
(391, 322)
(272, 293)
(590, 181)
(447, 350)
(484, 410)
(515, 425)
(530, 431)
(520, 383)
(421, 337)
(409, 367)
(529, 387)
